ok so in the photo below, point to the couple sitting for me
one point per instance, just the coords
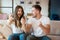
(38, 26)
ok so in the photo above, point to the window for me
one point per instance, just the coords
(6, 6)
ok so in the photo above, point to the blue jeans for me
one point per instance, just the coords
(17, 37)
(31, 37)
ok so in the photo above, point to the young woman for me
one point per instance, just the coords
(17, 24)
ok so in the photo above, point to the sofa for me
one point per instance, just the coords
(5, 31)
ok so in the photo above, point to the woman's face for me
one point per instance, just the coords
(19, 13)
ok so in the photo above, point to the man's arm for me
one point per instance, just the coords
(46, 28)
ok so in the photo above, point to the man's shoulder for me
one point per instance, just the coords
(45, 17)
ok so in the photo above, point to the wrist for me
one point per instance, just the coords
(23, 24)
(9, 22)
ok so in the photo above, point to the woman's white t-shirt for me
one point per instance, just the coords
(37, 31)
(15, 29)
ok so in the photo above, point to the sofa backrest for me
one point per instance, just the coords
(3, 16)
(55, 27)
(5, 30)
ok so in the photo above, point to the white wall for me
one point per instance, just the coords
(27, 7)
(44, 5)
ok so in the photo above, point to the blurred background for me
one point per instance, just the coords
(50, 8)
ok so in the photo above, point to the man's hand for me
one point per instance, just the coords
(45, 28)
(41, 25)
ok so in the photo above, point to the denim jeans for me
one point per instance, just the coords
(31, 37)
(17, 36)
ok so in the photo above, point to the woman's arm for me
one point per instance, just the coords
(9, 21)
(26, 28)
(23, 21)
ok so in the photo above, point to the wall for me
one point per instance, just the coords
(27, 7)
(44, 5)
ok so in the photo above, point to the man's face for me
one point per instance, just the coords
(35, 12)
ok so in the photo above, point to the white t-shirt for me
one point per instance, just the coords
(37, 31)
(15, 29)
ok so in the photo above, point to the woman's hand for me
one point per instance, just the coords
(11, 19)
(23, 20)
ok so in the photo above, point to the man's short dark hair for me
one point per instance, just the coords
(37, 7)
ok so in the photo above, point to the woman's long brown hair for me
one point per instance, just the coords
(16, 16)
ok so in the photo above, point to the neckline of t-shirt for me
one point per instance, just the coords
(39, 19)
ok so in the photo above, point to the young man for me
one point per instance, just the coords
(40, 25)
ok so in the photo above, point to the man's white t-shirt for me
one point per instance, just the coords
(37, 31)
